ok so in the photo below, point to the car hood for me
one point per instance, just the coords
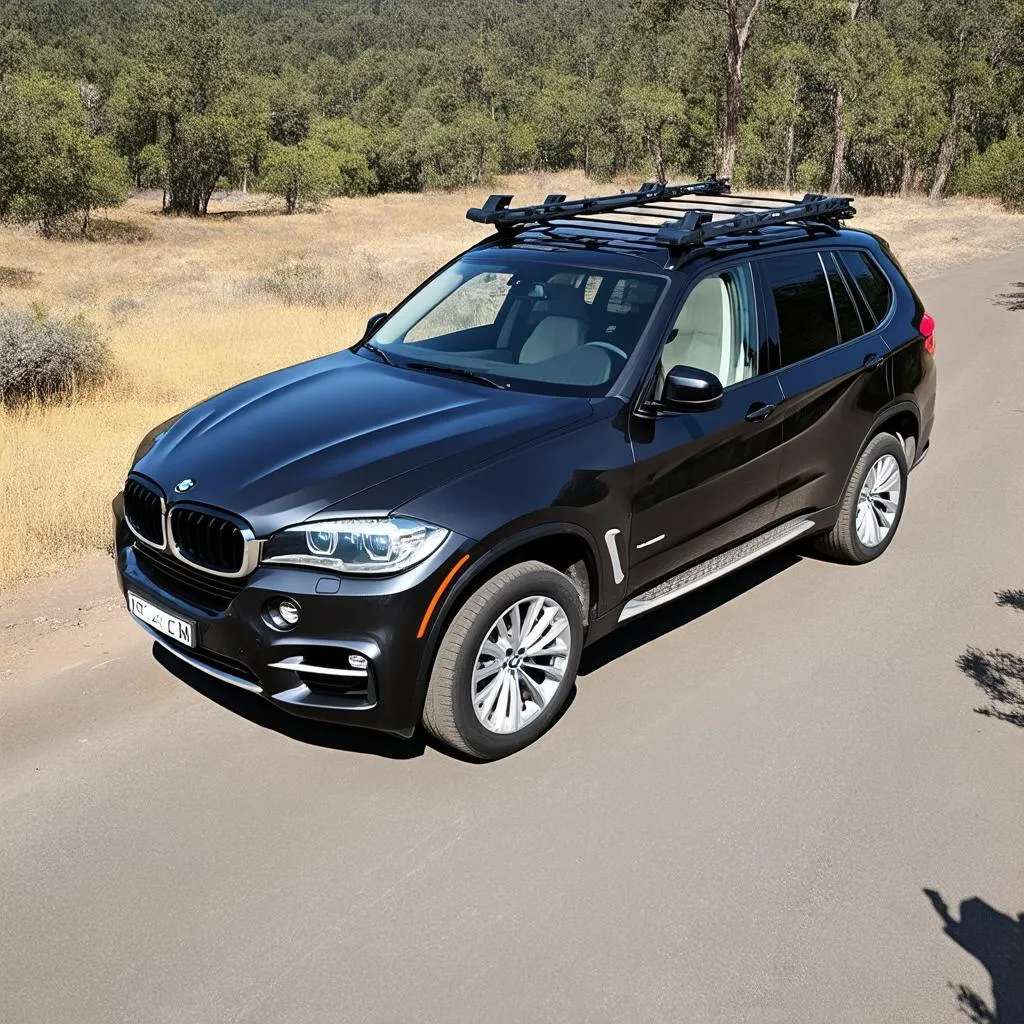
(283, 447)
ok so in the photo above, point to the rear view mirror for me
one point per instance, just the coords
(688, 389)
(373, 324)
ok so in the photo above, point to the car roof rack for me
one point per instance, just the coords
(685, 214)
(498, 211)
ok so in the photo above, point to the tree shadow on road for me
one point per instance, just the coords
(997, 673)
(1012, 300)
(996, 941)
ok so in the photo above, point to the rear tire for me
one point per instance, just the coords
(489, 697)
(872, 505)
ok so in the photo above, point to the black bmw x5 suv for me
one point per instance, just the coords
(604, 405)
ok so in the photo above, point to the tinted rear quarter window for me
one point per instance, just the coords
(803, 305)
(851, 324)
(868, 278)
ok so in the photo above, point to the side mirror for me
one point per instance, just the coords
(373, 324)
(688, 389)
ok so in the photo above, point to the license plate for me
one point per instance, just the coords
(182, 630)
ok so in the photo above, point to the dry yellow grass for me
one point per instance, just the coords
(186, 316)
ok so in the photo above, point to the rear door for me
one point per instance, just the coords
(833, 373)
(706, 480)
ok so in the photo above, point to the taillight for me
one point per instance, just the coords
(928, 330)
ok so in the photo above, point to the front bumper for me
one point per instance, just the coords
(306, 670)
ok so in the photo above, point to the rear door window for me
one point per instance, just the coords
(869, 281)
(803, 305)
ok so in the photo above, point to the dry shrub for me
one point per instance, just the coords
(47, 359)
(300, 282)
(17, 277)
(103, 229)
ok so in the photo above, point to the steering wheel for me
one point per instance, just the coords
(610, 347)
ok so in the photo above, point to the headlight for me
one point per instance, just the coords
(356, 545)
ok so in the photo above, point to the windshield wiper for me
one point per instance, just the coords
(378, 351)
(458, 371)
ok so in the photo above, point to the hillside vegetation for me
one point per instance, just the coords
(312, 98)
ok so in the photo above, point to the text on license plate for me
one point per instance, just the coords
(177, 629)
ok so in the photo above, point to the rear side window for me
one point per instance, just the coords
(869, 280)
(803, 305)
(850, 321)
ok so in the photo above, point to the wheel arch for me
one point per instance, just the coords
(567, 547)
(902, 419)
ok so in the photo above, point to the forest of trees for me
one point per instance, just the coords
(308, 98)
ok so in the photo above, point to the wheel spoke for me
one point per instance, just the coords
(515, 632)
(540, 625)
(515, 703)
(533, 612)
(491, 650)
(494, 697)
(554, 671)
(535, 692)
(482, 672)
(888, 477)
(486, 696)
(554, 631)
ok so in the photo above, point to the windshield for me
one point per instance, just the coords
(527, 325)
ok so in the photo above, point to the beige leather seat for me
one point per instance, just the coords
(702, 330)
(562, 330)
(553, 336)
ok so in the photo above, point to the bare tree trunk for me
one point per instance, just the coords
(658, 159)
(737, 43)
(839, 154)
(730, 135)
(907, 173)
(789, 174)
(245, 181)
(947, 151)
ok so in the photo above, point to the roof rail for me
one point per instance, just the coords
(813, 210)
(497, 209)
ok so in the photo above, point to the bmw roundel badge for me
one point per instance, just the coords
(186, 485)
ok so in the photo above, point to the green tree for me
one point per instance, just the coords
(51, 165)
(352, 145)
(302, 175)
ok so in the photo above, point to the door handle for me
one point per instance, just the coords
(759, 411)
(872, 361)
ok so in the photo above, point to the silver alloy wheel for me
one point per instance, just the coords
(879, 501)
(520, 664)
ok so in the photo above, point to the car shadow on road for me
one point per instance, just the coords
(261, 712)
(996, 941)
(685, 610)
(1012, 300)
(997, 673)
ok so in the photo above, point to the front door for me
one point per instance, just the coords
(707, 480)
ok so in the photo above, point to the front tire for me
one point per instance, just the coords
(872, 505)
(507, 663)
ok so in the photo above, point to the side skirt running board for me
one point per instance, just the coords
(704, 572)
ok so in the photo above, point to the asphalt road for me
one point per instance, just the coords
(735, 820)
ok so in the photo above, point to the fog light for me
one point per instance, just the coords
(281, 613)
(357, 661)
